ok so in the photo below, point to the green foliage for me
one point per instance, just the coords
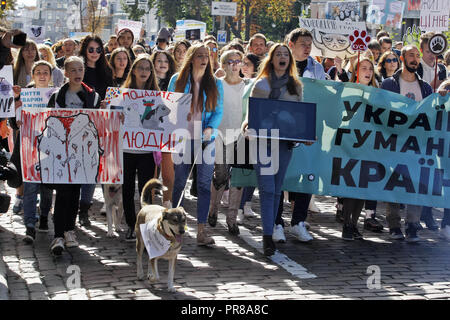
(10, 5)
(133, 12)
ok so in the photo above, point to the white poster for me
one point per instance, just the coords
(36, 33)
(331, 37)
(134, 26)
(434, 15)
(152, 118)
(343, 10)
(190, 30)
(7, 107)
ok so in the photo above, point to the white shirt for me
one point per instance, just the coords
(410, 89)
(73, 101)
(232, 109)
(428, 72)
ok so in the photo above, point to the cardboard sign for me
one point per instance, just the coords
(359, 40)
(434, 15)
(152, 118)
(134, 26)
(343, 11)
(388, 13)
(331, 37)
(7, 106)
(80, 146)
(190, 30)
(437, 44)
(34, 98)
(36, 33)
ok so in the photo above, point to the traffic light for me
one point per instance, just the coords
(3, 4)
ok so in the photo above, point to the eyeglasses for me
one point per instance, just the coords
(391, 60)
(234, 62)
(98, 50)
(213, 49)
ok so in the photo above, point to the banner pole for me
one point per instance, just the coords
(357, 75)
(435, 74)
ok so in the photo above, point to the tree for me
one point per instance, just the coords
(10, 5)
(134, 13)
(96, 20)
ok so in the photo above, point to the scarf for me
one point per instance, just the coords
(276, 84)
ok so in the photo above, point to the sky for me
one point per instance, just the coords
(27, 2)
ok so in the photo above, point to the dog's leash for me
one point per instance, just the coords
(190, 172)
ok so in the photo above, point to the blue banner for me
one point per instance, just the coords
(372, 144)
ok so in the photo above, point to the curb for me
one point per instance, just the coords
(4, 290)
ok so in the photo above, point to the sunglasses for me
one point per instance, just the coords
(234, 62)
(98, 50)
(213, 49)
(391, 60)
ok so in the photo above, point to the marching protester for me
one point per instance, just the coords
(179, 52)
(165, 68)
(125, 38)
(233, 89)
(69, 47)
(73, 94)
(277, 79)
(406, 82)
(388, 64)
(257, 45)
(41, 75)
(213, 53)
(142, 76)
(120, 63)
(426, 69)
(196, 77)
(47, 55)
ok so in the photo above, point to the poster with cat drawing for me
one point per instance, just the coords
(331, 37)
(343, 10)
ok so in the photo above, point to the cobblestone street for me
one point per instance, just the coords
(235, 268)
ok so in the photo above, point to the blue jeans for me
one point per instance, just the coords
(30, 192)
(204, 178)
(87, 193)
(247, 195)
(269, 185)
(426, 211)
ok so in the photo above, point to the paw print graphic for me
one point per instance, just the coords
(359, 40)
(438, 44)
(412, 36)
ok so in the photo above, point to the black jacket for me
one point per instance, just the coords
(90, 98)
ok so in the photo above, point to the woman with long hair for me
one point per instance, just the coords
(388, 64)
(125, 38)
(196, 77)
(277, 79)
(120, 63)
(26, 57)
(351, 209)
(137, 163)
(179, 52)
(213, 53)
(46, 54)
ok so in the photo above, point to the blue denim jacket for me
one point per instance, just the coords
(209, 119)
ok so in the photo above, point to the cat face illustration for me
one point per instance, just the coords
(335, 42)
(37, 31)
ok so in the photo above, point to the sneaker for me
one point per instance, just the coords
(300, 232)
(356, 234)
(307, 226)
(18, 205)
(396, 234)
(372, 224)
(131, 235)
(411, 233)
(278, 234)
(43, 224)
(30, 235)
(71, 239)
(57, 246)
(347, 232)
(240, 217)
(445, 233)
(248, 212)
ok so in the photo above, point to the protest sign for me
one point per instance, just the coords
(373, 144)
(134, 26)
(331, 37)
(413, 5)
(34, 98)
(343, 11)
(434, 15)
(7, 107)
(190, 30)
(82, 146)
(151, 118)
(36, 33)
(388, 13)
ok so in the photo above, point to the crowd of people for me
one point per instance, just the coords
(221, 80)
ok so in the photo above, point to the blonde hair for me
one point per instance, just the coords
(50, 55)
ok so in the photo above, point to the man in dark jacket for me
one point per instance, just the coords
(406, 82)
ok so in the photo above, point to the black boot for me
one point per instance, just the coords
(83, 218)
(268, 246)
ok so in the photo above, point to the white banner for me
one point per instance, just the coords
(434, 15)
(190, 30)
(7, 107)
